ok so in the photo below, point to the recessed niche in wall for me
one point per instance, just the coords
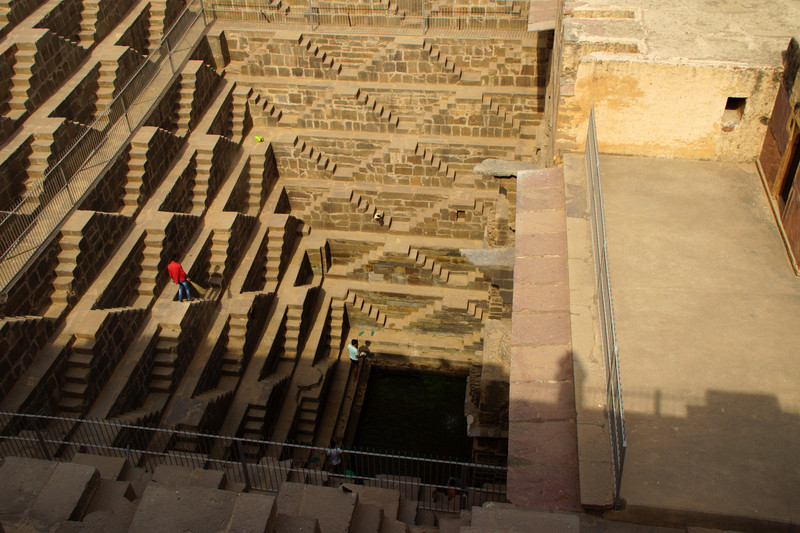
(734, 109)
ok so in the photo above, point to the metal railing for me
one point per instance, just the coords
(46, 203)
(258, 465)
(605, 306)
(404, 16)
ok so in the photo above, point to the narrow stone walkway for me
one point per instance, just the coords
(542, 442)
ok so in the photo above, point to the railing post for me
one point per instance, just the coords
(243, 462)
(169, 53)
(65, 184)
(43, 444)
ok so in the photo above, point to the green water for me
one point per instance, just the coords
(412, 413)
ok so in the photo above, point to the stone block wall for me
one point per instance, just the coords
(280, 55)
(43, 395)
(110, 343)
(30, 294)
(101, 234)
(352, 51)
(55, 60)
(237, 201)
(200, 81)
(161, 148)
(109, 13)
(13, 169)
(64, 20)
(107, 195)
(165, 115)
(135, 388)
(20, 341)
(121, 290)
(136, 35)
(223, 121)
(79, 105)
(179, 199)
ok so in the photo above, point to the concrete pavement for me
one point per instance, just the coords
(706, 307)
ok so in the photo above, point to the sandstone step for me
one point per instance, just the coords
(66, 495)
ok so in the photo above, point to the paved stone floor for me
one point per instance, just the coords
(706, 313)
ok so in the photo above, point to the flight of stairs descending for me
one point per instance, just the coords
(436, 270)
(262, 108)
(318, 160)
(233, 358)
(430, 159)
(276, 234)
(255, 184)
(412, 317)
(153, 246)
(220, 240)
(359, 304)
(380, 111)
(327, 61)
(294, 321)
(63, 294)
(447, 64)
(241, 120)
(89, 21)
(20, 81)
(307, 413)
(158, 9)
(76, 376)
(165, 359)
(136, 169)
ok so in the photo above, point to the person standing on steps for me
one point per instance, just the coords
(334, 454)
(180, 278)
(355, 356)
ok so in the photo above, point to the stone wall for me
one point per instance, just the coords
(165, 114)
(54, 60)
(111, 341)
(137, 34)
(30, 293)
(79, 105)
(63, 20)
(20, 341)
(13, 169)
(107, 195)
(179, 199)
(121, 290)
(109, 13)
(101, 233)
(638, 117)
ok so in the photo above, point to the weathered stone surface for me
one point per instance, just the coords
(501, 168)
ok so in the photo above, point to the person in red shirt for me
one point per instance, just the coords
(180, 278)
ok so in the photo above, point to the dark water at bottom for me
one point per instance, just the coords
(413, 413)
